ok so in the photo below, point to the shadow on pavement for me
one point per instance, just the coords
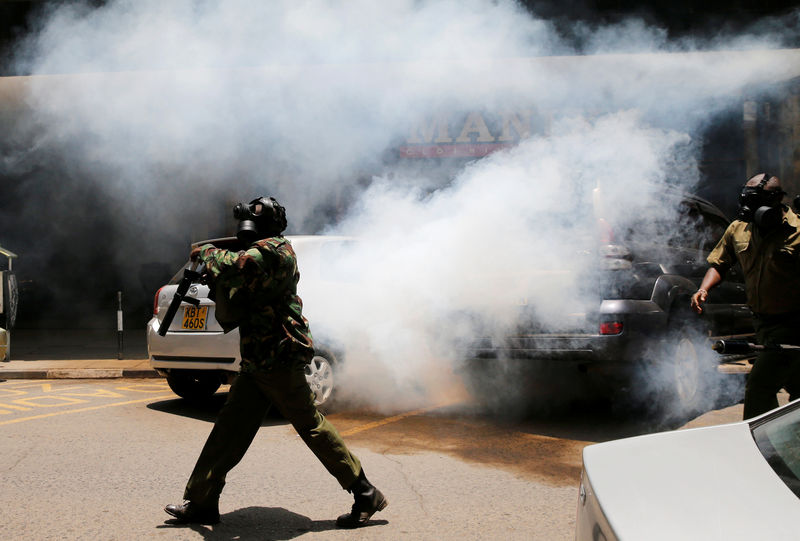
(544, 444)
(598, 419)
(207, 411)
(251, 523)
(555, 402)
(68, 344)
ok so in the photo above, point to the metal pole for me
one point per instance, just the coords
(119, 325)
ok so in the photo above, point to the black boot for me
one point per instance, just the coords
(189, 512)
(368, 501)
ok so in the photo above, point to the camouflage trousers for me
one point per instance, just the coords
(240, 418)
(773, 370)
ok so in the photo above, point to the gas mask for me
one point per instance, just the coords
(761, 207)
(262, 217)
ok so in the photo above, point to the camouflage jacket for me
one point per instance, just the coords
(273, 328)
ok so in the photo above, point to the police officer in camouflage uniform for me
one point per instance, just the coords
(765, 240)
(276, 345)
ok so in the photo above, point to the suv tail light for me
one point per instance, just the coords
(155, 301)
(614, 256)
(611, 327)
(605, 232)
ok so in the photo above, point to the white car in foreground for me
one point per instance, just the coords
(735, 481)
(196, 356)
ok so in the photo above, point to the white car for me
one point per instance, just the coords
(727, 482)
(197, 357)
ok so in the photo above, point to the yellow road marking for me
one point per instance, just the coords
(99, 393)
(144, 387)
(79, 410)
(11, 392)
(13, 407)
(46, 387)
(50, 401)
(389, 420)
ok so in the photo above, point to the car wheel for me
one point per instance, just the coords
(320, 377)
(193, 385)
(689, 374)
(686, 373)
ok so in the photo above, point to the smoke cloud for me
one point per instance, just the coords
(165, 112)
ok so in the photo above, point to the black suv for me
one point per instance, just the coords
(641, 341)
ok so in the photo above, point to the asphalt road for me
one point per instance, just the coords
(98, 459)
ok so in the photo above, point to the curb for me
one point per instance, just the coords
(78, 373)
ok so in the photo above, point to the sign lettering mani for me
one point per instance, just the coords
(451, 136)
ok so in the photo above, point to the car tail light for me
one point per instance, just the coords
(611, 327)
(605, 232)
(155, 301)
(614, 256)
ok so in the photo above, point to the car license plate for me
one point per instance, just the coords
(195, 318)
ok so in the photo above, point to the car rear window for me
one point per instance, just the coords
(692, 228)
(778, 439)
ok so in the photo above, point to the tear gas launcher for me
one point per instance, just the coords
(190, 276)
(739, 347)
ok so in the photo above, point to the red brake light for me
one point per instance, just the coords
(155, 301)
(605, 232)
(611, 327)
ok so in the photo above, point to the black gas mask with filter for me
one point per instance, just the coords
(761, 206)
(261, 218)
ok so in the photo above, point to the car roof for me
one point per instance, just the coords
(694, 478)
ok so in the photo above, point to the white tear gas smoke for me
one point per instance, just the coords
(186, 103)
(518, 226)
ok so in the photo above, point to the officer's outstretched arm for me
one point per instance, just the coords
(710, 280)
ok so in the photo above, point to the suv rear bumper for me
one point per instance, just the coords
(180, 350)
(580, 348)
(642, 324)
(599, 354)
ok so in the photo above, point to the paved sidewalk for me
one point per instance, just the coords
(77, 369)
(56, 354)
